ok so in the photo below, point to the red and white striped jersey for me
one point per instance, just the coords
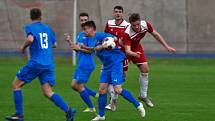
(116, 30)
(132, 38)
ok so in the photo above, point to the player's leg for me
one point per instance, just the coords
(91, 92)
(113, 94)
(117, 78)
(143, 79)
(130, 98)
(47, 80)
(18, 100)
(104, 81)
(102, 102)
(80, 78)
(113, 98)
(81, 74)
(80, 88)
(24, 76)
(58, 101)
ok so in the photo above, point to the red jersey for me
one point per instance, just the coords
(116, 30)
(132, 38)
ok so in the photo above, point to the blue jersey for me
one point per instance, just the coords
(86, 60)
(108, 57)
(41, 48)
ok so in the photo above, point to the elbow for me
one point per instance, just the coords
(127, 52)
(54, 45)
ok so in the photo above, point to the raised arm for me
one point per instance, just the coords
(161, 40)
(76, 47)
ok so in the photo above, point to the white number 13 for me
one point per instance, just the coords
(44, 40)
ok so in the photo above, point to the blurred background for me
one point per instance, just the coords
(181, 84)
(188, 25)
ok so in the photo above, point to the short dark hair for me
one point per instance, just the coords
(89, 24)
(35, 14)
(118, 7)
(134, 17)
(83, 14)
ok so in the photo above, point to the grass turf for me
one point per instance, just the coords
(182, 90)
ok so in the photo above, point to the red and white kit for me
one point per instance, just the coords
(132, 38)
(118, 31)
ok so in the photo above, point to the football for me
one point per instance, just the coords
(109, 43)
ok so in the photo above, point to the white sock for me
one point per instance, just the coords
(113, 95)
(143, 84)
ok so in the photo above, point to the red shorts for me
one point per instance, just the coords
(142, 59)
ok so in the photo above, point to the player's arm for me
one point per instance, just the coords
(99, 47)
(85, 49)
(76, 47)
(129, 52)
(126, 40)
(28, 41)
(161, 40)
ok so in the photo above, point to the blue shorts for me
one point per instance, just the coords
(30, 72)
(82, 75)
(114, 75)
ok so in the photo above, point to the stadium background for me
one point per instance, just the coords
(188, 25)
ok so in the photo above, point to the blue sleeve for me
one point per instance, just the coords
(28, 30)
(79, 37)
(53, 37)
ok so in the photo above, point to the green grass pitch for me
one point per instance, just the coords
(182, 90)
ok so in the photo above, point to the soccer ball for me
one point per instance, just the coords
(109, 43)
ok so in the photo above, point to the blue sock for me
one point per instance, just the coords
(90, 92)
(128, 96)
(86, 98)
(59, 102)
(102, 103)
(18, 101)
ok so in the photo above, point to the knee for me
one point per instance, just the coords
(118, 90)
(144, 68)
(48, 94)
(102, 91)
(77, 87)
(16, 85)
(74, 86)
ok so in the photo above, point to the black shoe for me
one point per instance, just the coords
(70, 115)
(14, 117)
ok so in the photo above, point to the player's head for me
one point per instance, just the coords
(135, 20)
(83, 17)
(35, 14)
(118, 12)
(89, 28)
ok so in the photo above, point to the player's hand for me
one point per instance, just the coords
(22, 49)
(82, 46)
(137, 55)
(67, 37)
(75, 47)
(171, 49)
